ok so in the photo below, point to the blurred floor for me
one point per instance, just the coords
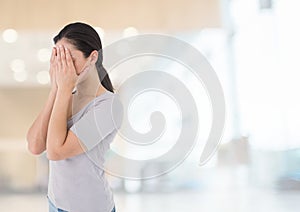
(235, 200)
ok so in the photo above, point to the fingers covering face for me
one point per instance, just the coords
(68, 57)
(61, 57)
(53, 55)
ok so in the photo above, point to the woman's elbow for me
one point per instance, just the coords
(33, 147)
(35, 151)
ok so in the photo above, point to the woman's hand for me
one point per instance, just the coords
(66, 76)
(52, 70)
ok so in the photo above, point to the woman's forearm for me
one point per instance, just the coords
(37, 133)
(57, 129)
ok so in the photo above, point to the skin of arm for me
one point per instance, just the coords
(62, 143)
(37, 133)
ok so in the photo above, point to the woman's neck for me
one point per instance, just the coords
(86, 91)
(89, 87)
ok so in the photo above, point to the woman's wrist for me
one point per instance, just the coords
(64, 91)
(53, 89)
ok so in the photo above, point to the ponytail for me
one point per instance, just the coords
(102, 73)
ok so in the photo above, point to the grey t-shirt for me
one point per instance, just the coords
(78, 184)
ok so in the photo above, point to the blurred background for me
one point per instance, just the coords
(252, 46)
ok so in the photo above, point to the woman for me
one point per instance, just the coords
(76, 124)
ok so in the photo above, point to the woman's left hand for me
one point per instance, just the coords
(66, 76)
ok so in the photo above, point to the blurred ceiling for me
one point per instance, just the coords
(28, 26)
(111, 14)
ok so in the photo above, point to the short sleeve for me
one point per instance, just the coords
(96, 124)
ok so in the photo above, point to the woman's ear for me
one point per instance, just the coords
(94, 56)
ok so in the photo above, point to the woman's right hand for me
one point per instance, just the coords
(53, 68)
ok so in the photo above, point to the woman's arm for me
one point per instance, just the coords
(57, 129)
(62, 143)
(37, 133)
